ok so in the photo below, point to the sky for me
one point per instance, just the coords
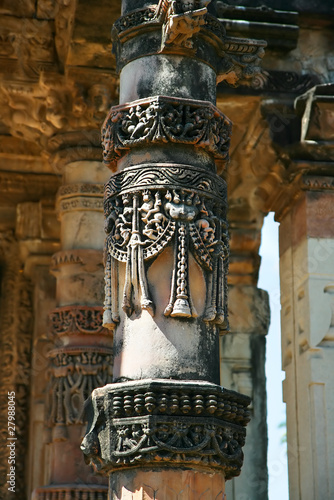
(269, 280)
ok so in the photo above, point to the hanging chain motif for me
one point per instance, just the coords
(141, 223)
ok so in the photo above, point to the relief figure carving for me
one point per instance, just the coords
(181, 20)
(165, 119)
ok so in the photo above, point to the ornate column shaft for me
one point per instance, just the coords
(165, 425)
(81, 357)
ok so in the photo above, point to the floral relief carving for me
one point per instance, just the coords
(74, 374)
(74, 320)
(53, 105)
(166, 423)
(162, 120)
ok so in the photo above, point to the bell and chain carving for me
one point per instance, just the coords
(75, 372)
(160, 120)
(148, 208)
(166, 422)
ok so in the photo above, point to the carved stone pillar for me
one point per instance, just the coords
(165, 425)
(243, 350)
(81, 357)
(15, 343)
(37, 231)
(307, 279)
(301, 192)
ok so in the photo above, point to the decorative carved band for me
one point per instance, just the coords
(149, 17)
(284, 81)
(159, 120)
(317, 183)
(72, 492)
(79, 256)
(148, 397)
(75, 372)
(166, 423)
(79, 203)
(74, 320)
(155, 176)
(150, 207)
(79, 189)
(79, 197)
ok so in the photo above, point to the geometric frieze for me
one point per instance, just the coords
(73, 492)
(80, 203)
(164, 423)
(80, 197)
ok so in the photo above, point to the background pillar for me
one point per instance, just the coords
(307, 284)
(80, 358)
(300, 190)
(243, 351)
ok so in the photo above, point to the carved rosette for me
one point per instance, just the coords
(161, 120)
(150, 207)
(166, 423)
(74, 373)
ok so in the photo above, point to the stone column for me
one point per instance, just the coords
(300, 190)
(81, 356)
(165, 426)
(243, 350)
(307, 285)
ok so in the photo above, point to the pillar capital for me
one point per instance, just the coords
(186, 30)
